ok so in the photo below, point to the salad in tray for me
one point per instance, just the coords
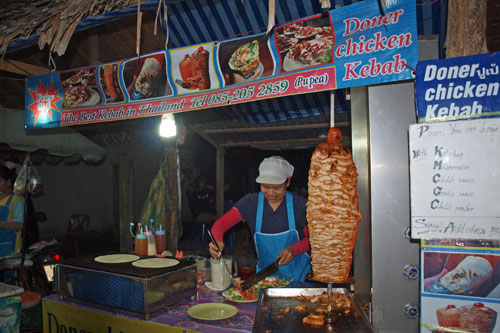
(252, 294)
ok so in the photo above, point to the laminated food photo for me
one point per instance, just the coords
(146, 77)
(467, 316)
(305, 43)
(245, 59)
(466, 274)
(80, 88)
(110, 83)
(192, 68)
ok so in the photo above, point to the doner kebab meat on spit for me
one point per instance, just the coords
(332, 209)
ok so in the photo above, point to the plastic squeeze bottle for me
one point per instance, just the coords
(151, 242)
(141, 242)
(161, 240)
(141, 245)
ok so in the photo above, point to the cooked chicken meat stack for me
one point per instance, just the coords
(332, 210)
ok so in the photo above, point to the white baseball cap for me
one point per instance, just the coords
(274, 170)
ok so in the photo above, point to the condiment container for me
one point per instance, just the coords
(151, 242)
(161, 241)
(141, 245)
(221, 279)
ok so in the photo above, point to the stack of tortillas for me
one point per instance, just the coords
(142, 263)
(116, 258)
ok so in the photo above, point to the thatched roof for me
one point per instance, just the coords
(54, 20)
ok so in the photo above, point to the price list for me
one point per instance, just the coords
(455, 179)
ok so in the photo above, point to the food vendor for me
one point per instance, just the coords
(276, 218)
(11, 212)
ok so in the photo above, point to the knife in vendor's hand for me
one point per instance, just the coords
(220, 253)
(271, 269)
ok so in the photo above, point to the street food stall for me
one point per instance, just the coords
(304, 58)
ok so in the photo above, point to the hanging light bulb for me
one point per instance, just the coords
(167, 125)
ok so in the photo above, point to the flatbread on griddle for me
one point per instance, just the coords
(116, 258)
(155, 263)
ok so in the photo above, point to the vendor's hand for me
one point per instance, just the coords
(213, 249)
(285, 256)
(240, 79)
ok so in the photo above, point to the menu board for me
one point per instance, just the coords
(454, 179)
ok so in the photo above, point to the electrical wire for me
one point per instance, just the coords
(427, 3)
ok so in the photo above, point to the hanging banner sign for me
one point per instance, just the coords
(361, 44)
(458, 88)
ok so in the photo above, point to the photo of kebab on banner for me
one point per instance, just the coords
(245, 59)
(460, 273)
(191, 68)
(306, 43)
(80, 87)
(146, 77)
(108, 78)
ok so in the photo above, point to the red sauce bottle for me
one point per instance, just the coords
(161, 241)
(141, 245)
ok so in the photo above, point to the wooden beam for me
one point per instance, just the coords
(271, 128)
(296, 142)
(203, 135)
(219, 180)
(172, 196)
(93, 41)
(14, 66)
(126, 200)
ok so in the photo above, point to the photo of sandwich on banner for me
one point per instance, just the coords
(466, 277)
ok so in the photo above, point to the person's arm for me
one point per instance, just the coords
(297, 248)
(303, 245)
(226, 222)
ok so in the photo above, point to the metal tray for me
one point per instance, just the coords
(275, 299)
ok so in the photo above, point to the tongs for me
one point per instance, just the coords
(225, 265)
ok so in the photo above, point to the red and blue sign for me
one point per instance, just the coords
(360, 44)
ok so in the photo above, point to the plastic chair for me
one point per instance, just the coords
(78, 225)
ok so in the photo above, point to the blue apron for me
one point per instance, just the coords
(7, 237)
(269, 246)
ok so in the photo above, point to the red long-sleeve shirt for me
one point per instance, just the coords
(233, 217)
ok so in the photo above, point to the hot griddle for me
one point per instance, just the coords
(127, 268)
(271, 318)
(124, 286)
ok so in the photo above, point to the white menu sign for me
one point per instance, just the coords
(455, 179)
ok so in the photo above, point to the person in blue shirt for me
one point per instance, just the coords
(11, 213)
(276, 219)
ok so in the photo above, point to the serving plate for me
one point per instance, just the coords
(212, 311)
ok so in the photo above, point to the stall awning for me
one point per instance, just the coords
(59, 142)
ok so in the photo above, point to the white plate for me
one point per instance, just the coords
(290, 64)
(209, 286)
(212, 311)
(94, 99)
